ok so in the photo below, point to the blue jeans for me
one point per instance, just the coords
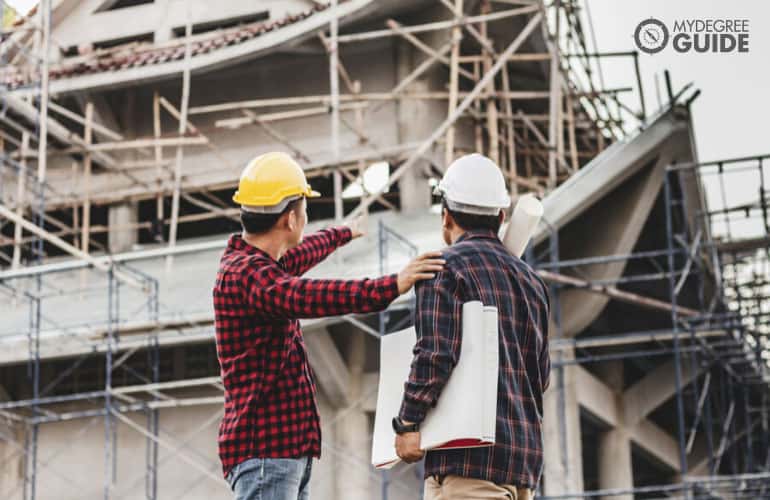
(271, 479)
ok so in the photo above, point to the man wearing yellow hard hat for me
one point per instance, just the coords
(270, 430)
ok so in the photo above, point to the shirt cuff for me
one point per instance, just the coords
(344, 234)
(412, 411)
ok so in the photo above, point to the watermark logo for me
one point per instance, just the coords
(651, 36)
(693, 35)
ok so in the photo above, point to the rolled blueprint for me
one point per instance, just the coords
(465, 415)
(526, 216)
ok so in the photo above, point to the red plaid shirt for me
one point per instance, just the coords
(478, 267)
(270, 406)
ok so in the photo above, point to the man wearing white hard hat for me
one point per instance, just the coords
(479, 267)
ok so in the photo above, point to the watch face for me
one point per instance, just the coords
(651, 36)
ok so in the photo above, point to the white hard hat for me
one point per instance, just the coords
(474, 184)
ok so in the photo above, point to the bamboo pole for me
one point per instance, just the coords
(75, 216)
(454, 83)
(157, 130)
(441, 25)
(461, 108)
(133, 144)
(42, 158)
(478, 133)
(98, 129)
(531, 57)
(20, 192)
(555, 100)
(572, 142)
(541, 138)
(527, 158)
(359, 98)
(492, 123)
(511, 139)
(615, 293)
(70, 249)
(427, 49)
(240, 121)
(414, 75)
(334, 88)
(275, 135)
(172, 233)
(87, 132)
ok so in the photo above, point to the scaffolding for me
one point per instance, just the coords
(719, 342)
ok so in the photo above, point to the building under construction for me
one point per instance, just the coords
(124, 125)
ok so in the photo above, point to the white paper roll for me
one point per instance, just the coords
(526, 216)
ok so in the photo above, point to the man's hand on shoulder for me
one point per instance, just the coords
(423, 267)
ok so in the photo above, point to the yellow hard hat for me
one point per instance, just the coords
(271, 178)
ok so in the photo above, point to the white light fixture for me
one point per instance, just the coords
(373, 179)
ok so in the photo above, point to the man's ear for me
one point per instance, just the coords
(447, 221)
(290, 220)
(501, 216)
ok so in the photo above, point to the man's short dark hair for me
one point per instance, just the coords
(471, 222)
(255, 223)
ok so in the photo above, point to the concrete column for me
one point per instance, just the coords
(561, 420)
(11, 456)
(353, 432)
(615, 465)
(414, 124)
(120, 237)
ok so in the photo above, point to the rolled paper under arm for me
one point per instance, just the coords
(526, 216)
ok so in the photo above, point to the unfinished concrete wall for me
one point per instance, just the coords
(295, 74)
(86, 23)
(72, 458)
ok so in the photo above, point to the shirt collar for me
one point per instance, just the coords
(486, 234)
(237, 244)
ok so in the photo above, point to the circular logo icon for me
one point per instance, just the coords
(651, 36)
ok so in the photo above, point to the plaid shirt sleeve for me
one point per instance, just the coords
(276, 294)
(438, 323)
(545, 355)
(314, 249)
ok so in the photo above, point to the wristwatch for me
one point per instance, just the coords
(401, 428)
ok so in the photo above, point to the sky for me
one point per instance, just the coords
(21, 6)
(731, 114)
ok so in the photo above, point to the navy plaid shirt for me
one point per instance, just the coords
(478, 267)
(270, 405)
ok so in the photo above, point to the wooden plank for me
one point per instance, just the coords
(172, 232)
(88, 137)
(454, 74)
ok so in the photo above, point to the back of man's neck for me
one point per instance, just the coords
(267, 243)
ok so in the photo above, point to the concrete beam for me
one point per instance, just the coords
(121, 237)
(653, 390)
(657, 442)
(563, 454)
(614, 446)
(606, 172)
(369, 387)
(329, 367)
(413, 186)
(594, 395)
(292, 33)
(620, 220)
(55, 129)
(11, 451)
(615, 465)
